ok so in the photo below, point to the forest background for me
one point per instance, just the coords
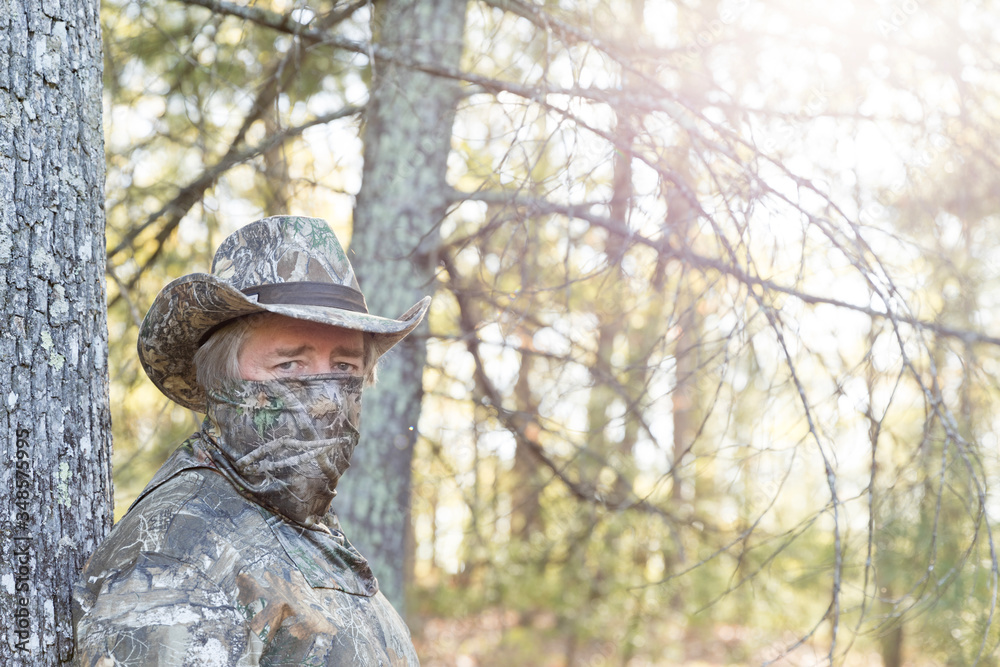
(710, 368)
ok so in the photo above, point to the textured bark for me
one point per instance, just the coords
(394, 250)
(56, 477)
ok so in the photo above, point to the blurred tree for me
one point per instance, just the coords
(56, 477)
(401, 204)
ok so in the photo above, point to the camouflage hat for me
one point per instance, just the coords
(286, 265)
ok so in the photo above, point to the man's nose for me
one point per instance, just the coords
(321, 367)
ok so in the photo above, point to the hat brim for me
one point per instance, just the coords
(190, 307)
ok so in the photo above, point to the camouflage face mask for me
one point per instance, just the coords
(287, 442)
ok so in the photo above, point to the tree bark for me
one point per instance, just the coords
(402, 200)
(56, 477)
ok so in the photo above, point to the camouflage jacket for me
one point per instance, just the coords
(196, 573)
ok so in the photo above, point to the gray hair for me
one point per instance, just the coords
(218, 359)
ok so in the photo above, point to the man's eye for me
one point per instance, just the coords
(287, 366)
(346, 367)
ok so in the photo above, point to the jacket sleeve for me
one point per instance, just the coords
(162, 612)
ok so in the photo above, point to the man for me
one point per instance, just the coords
(231, 555)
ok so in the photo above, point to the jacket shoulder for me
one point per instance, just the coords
(196, 517)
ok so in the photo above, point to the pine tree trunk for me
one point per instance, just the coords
(56, 476)
(402, 200)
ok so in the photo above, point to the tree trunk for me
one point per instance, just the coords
(402, 200)
(56, 479)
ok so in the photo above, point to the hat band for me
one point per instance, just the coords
(307, 293)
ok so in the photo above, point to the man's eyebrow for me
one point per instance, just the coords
(292, 351)
(347, 351)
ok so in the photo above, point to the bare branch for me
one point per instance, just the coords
(539, 207)
(192, 193)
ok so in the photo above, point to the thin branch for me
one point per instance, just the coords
(512, 421)
(192, 193)
(540, 207)
(285, 23)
